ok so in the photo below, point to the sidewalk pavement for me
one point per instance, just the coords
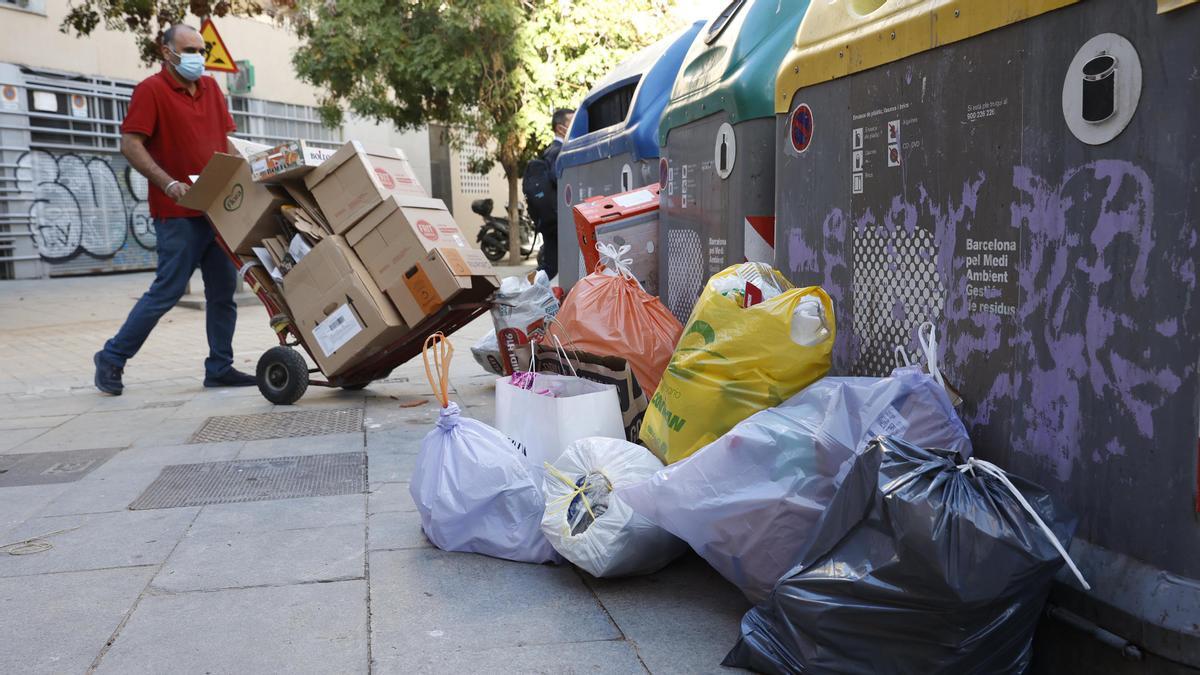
(341, 583)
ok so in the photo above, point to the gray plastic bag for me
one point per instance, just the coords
(946, 571)
(749, 502)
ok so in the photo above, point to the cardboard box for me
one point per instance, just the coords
(289, 160)
(626, 218)
(246, 148)
(398, 233)
(244, 212)
(357, 179)
(443, 276)
(344, 317)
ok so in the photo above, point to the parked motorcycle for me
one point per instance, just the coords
(493, 236)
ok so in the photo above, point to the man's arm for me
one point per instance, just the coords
(133, 146)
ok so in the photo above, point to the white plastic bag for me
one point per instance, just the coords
(589, 524)
(521, 312)
(546, 424)
(487, 353)
(749, 502)
(475, 491)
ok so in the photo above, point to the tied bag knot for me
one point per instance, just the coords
(449, 418)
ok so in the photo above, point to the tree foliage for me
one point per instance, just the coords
(490, 71)
(149, 19)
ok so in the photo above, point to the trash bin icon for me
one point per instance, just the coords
(612, 145)
(1028, 184)
(718, 141)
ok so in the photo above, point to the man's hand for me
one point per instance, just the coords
(177, 190)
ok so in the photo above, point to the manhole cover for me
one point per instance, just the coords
(43, 468)
(279, 425)
(164, 404)
(253, 480)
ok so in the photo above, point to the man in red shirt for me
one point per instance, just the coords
(177, 119)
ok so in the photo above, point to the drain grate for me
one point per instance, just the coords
(44, 468)
(279, 425)
(164, 404)
(253, 480)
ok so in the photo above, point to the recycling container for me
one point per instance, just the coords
(612, 145)
(718, 140)
(1026, 176)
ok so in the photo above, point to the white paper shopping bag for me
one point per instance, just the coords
(555, 412)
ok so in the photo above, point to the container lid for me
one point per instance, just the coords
(732, 64)
(653, 71)
(842, 37)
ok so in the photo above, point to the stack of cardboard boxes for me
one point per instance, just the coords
(346, 242)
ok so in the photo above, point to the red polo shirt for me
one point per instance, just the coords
(182, 130)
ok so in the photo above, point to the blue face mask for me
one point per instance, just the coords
(190, 66)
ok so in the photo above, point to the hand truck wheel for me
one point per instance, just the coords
(282, 375)
(356, 386)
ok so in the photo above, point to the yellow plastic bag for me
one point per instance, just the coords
(733, 362)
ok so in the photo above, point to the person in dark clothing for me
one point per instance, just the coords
(548, 225)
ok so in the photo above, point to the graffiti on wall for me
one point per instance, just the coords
(82, 205)
(1097, 296)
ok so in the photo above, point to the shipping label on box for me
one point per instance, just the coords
(292, 159)
(337, 329)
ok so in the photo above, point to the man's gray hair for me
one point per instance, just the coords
(169, 35)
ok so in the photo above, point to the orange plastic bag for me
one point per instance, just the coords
(611, 315)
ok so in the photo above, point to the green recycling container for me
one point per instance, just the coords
(717, 134)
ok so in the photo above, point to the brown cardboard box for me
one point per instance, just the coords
(292, 159)
(244, 212)
(399, 232)
(344, 317)
(356, 179)
(442, 276)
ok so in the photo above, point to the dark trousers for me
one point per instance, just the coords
(549, 256)
(183, 245)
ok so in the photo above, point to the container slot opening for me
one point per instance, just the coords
(717, 25)
(611, 109)
(865, 7)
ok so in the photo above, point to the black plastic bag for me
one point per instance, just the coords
(946, 572)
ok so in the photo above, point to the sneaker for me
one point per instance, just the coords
(108, 376)
(231, 378)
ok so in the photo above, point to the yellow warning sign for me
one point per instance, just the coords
(218, 54)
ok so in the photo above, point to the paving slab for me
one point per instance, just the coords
(211, 560)
(117, 429)
(35, 422)
(12, 439)
(18, 504)
(705, 613)
(392, 467)
(473, 603)
(609, 657)
(149, 456)
(303, 445)
(58, 623)
(307, 628)
(98, 541)
(395, 530)
(281, 514)
(222, 402)
(385, 497)
(111, 491)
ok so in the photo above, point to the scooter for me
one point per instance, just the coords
(493, 236)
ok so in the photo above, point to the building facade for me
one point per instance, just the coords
(70, 204)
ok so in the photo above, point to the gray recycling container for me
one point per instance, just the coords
(1026, 176)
